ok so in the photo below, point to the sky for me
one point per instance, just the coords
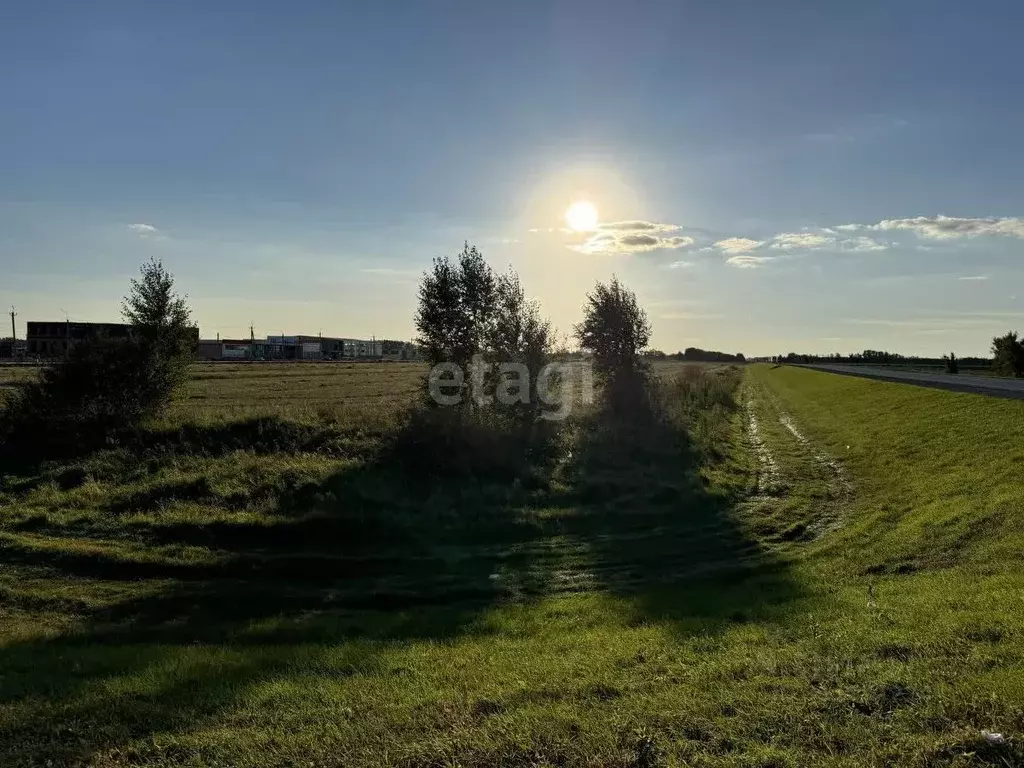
(768, 177)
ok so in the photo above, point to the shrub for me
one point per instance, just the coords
(1008, 355)
(106, 387)
(99, 391)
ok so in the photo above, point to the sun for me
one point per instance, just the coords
(581, 216)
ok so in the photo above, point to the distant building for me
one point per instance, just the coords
(53, 339)
(12, 349)
(303, 347)
(399, 351)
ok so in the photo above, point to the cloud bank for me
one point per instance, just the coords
(948, 227)
(632, 237)
(746, 253)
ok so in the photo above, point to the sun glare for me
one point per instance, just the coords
(581, 216)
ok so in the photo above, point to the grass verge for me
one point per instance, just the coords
(665, 597)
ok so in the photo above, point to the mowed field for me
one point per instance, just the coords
(827, 573)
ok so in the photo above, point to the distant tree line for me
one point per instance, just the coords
(697, 355)
(1007, 358)
(878, 357)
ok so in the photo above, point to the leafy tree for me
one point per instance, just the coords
(471, 317)
(479, 294)
(161, 324)
(1008, 354)
(614, 329)
(518, 334)
(466, 311)
(106, 387)
(952, 365)
(444, 333)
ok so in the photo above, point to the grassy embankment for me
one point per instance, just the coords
(275, 592)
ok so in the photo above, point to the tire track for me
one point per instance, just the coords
(768, 484)
(839, 486)
(804, 463)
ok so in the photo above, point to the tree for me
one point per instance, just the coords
(614, 329)
(443, 328)
(161, 323)
(952, 365)
(1008, 354)
(476, 320)
(106, 387)
(468, 313)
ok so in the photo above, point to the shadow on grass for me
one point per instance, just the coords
(383, 558)
(661, 534)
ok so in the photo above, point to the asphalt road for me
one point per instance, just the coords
(963, 382)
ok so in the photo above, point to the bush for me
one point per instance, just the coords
(103, 389)
(482, 444)
(106, 387)
(1008, 355)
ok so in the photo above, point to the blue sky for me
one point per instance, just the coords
(769, 176)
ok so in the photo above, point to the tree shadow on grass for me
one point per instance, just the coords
(662, 535)
(384, 558)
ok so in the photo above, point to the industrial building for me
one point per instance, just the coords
(53, 339)
(302, 347)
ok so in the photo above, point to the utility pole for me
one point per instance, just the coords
(67, 336)
(14, 335)
(252, 344)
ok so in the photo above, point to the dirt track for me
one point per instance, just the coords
(981, 385)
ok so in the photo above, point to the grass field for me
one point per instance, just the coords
(829, 574)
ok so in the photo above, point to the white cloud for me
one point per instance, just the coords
(973, 277)
(738, 245)
(680, 264)
(949, 227)
(143, 230)
(632, 237)
(789, 240)
(748, 260)
(862, 244)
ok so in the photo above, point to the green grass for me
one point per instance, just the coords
(260, 585)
